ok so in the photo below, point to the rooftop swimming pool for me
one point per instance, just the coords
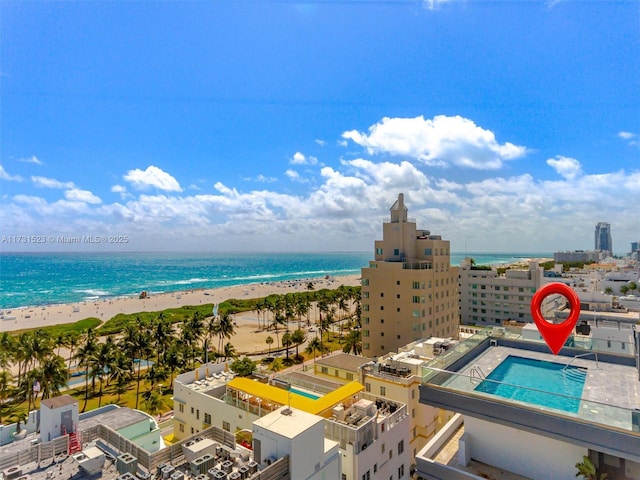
(304, 393)
(548, 384)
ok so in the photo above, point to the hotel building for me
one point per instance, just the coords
(371, 432)
(410, 289)
(490, 299)
(603, 240)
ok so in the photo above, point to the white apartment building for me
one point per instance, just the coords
(360, 423)
(300, 435)
(397, 377)
(410, 289)
(490, 299)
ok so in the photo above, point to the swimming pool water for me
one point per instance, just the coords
(304, 394)
(543, 383)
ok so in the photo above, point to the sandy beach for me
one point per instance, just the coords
(245, 340)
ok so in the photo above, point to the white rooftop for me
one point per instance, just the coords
(288, 425)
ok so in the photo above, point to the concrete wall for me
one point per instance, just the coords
(520, 452)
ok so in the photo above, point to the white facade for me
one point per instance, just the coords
(58, 416)
(301, 436)
(526, 454)
(489, 299)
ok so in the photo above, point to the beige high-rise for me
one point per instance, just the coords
(410, 290)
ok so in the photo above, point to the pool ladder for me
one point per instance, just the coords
(476, 375)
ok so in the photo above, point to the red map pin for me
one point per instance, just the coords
(555, 334)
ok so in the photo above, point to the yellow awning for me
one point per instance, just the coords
(281, 396)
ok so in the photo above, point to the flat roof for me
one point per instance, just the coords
(115, 419)
(59, 401)
(281, 396)
(288, 425)
(344, 361)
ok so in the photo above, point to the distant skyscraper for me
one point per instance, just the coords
(603, 237)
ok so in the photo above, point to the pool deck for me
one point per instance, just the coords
(610, 391)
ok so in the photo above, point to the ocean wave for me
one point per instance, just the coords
(94, 293)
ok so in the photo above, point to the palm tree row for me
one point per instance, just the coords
(152, 351)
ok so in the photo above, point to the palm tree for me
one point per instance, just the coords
(229, 351)
(153, 401)
(287, 341)
(298, 338)
(85, 356)
(103, 360)
(276, 365)
(588, 470)
(155, 375)
(633, 286)
(174, 360)
(6, 380)
(314, 346)
(278, 319)
(225, 329)
(269, 342)
(120, 373)
(353, 342)
(54, 375)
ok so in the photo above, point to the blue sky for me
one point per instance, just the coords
(267, 126)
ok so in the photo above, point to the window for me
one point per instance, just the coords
(427, 251)
(207, 419)
(226, 426)
(415, 298)
(382, 320)
(381, 307)
(182, 428)
(197, 414)
(415, 285)
(382, 449)
(396, 252)
(381, 294)
(365, 320)
(378, 251)
(365, 282)
(375, 467)
(398, 295)
(365, 333)
(383, 391)
(367, 387)
(382, 334)
(397, 282)
(400, 447)
(324, 370)
(349, 376)
(401, 471)
(181, 407)
(192, 410)
(366, 346)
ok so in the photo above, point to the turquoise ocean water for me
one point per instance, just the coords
(29, 279)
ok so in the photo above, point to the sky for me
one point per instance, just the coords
(509, 126)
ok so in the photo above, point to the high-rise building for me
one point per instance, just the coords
(410, 290)
(603, 237)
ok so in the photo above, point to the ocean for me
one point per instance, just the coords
(32, 279)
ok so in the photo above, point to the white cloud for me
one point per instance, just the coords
(51, 182)
(4, 175)
(434, 4)
(301, 159)
(118, 189)
(77, 195)
(261, 179)
(152, 177)
(631, 138)
(32, 159)
(442, 141)
(320, 142)
(292, 174)
(567, 167)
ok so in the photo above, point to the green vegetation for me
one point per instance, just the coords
(133, 359)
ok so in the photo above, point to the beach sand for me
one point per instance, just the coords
(248, 339)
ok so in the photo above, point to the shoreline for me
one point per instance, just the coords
(32, 317)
